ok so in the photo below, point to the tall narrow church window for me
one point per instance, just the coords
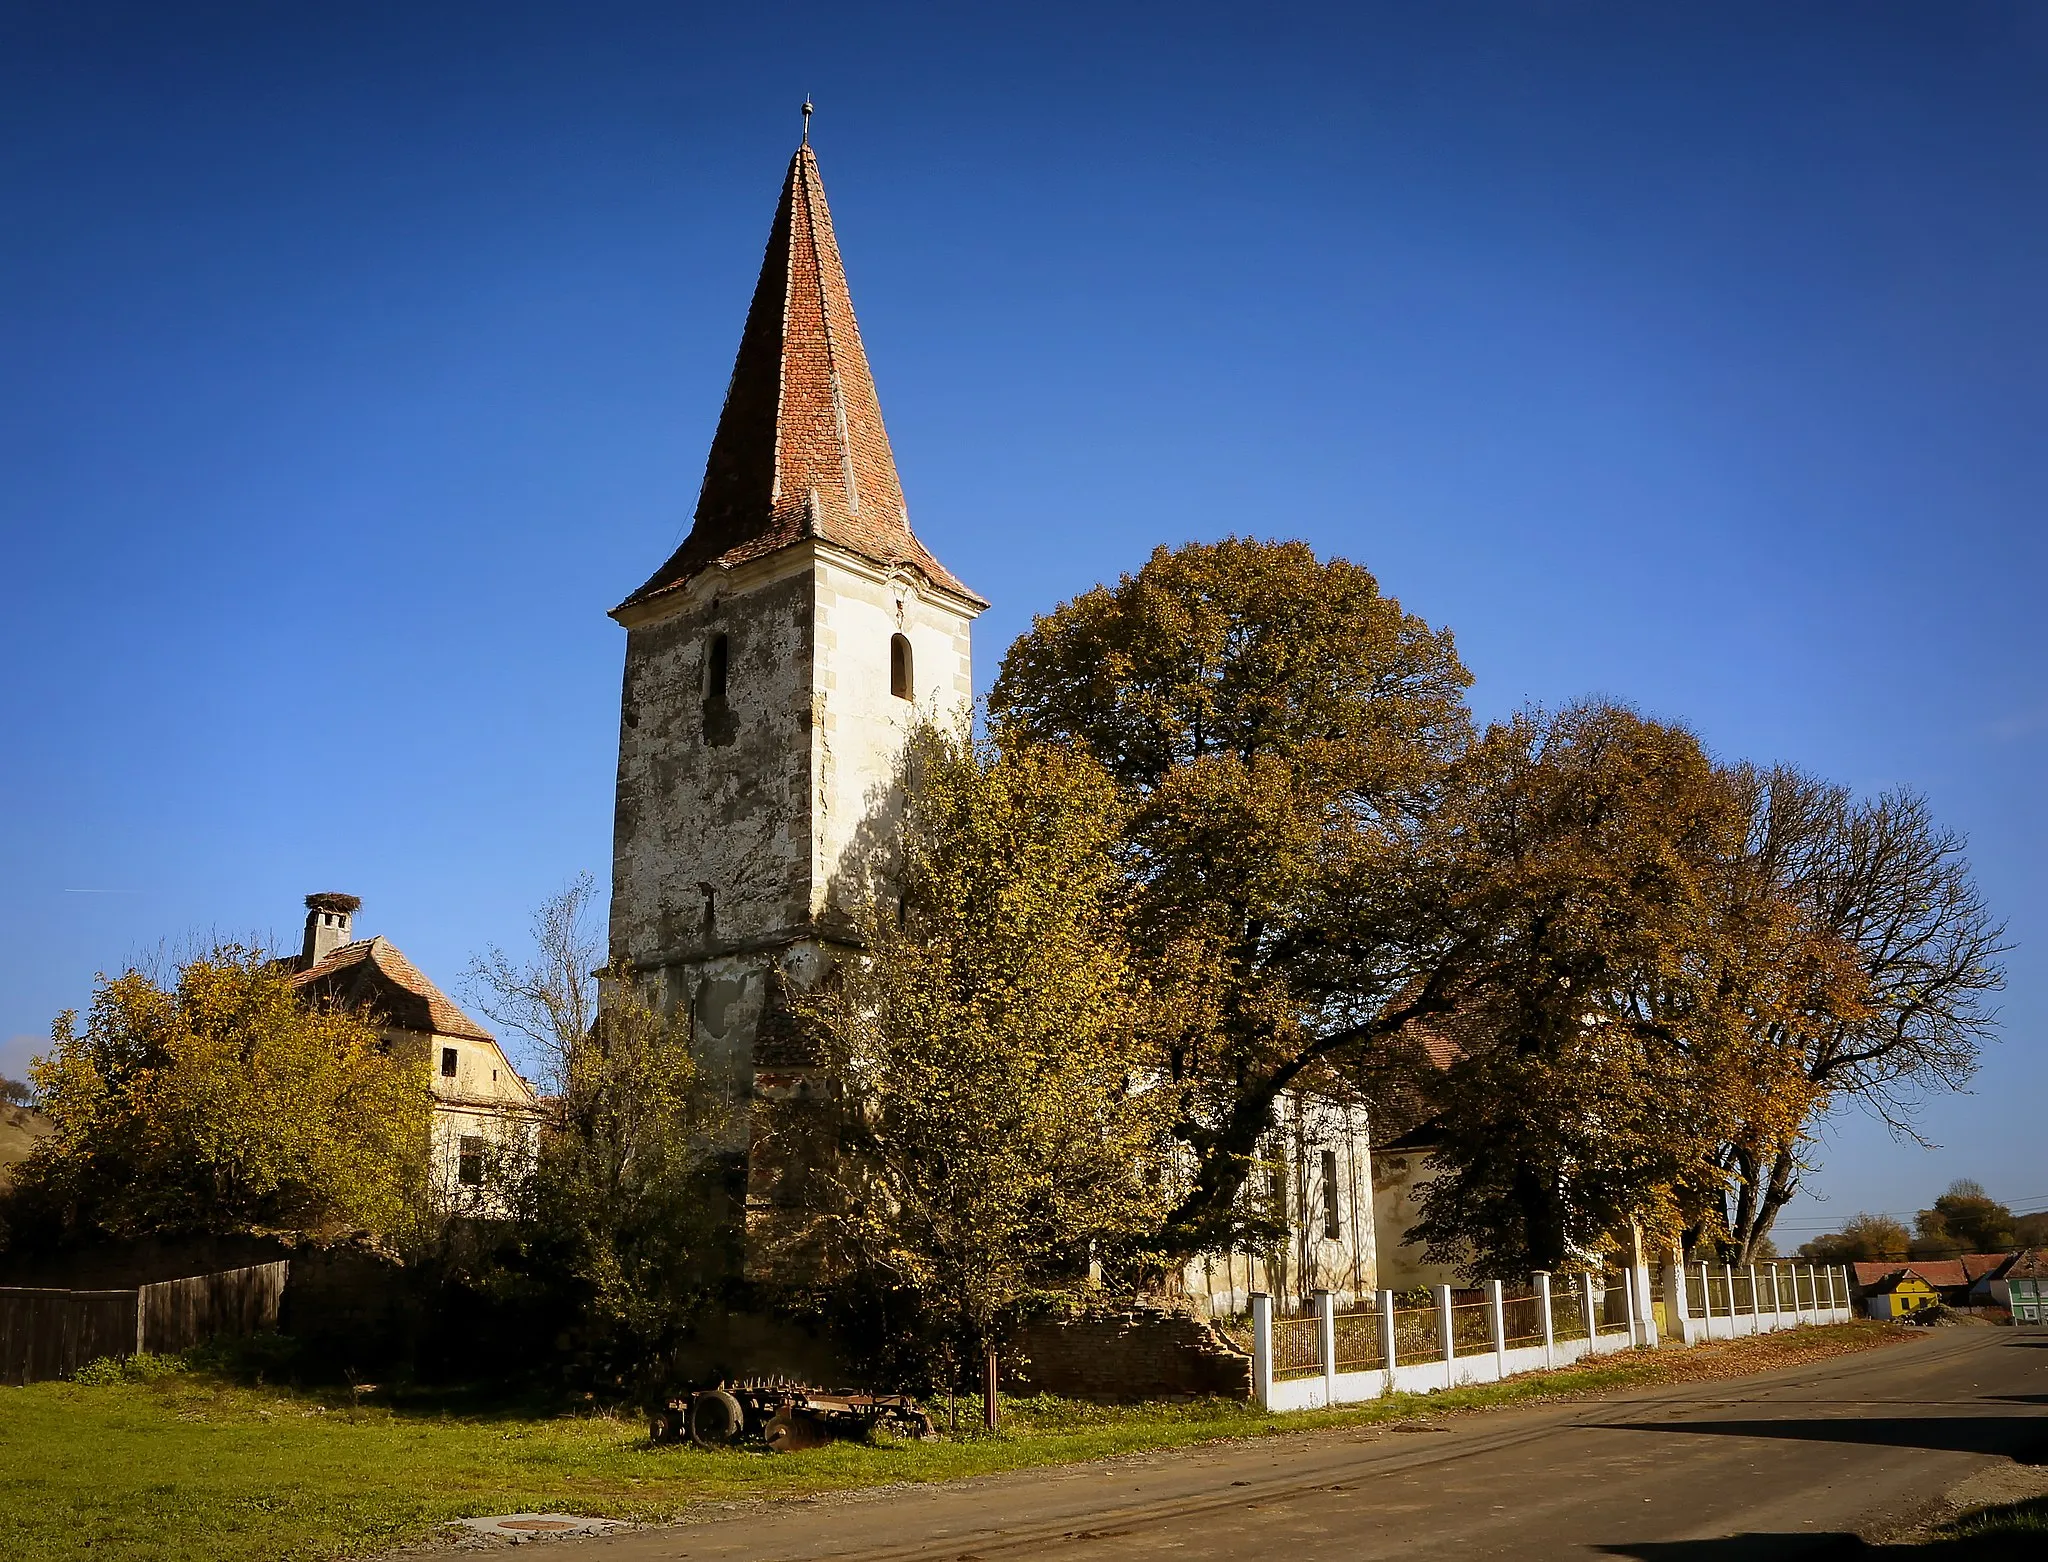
(1333, 1217)
(715, 660)
(719, 725)
(899, 668)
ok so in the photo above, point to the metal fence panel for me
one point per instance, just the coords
(1358, 1342)
(1297, 1351)
(1522, 1315)
(1416, 1337)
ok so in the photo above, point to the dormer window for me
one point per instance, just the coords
(900, 683)
(448, 1059)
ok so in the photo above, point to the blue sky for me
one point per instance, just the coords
(354, 360)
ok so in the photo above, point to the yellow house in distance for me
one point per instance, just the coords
(1898, 1294)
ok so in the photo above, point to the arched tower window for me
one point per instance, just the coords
(900, 683)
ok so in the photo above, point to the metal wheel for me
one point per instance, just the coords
(715, 1419)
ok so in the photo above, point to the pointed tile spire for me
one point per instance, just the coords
(800, 449)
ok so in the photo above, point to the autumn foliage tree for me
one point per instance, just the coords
(1276, 729)
(998, 1124)
(1863, 1239)
(1965, 1219)
(1598, 1060)
(1661, 972)
(220, 1103)
(619, 1211)
(1903, 957)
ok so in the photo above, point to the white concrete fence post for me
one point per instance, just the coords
(1642, 1289)
(1777, 1298)
(1496, 1315)
(1706, 1303)
(1542, 1278)
(1443, 1324)
(1756, 1301)
(1728, 1279)
(1628, 1302)
(1262, 1349)
(1326, 1343)
(1679, 1309)
(1592, 1317)
(1387, 1341)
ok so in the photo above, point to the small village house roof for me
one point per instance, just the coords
(800, 450)
(374, 973)
(1944, 1274)
(1891, 1276)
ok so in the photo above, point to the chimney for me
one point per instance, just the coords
(328, 921)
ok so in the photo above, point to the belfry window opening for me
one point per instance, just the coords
(715, 661)
(900, 683)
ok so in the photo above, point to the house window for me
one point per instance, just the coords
(469, 1164)
(448, 1062)
(1276, 1193)
(1333, 1219)
(900, 683)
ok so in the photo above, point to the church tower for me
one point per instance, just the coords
(773, 665)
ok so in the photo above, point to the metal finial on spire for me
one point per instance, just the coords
(808, 109)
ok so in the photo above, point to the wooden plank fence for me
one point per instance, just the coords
(52, 1333)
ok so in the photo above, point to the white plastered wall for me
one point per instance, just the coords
(860, 724)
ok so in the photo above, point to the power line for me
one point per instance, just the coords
(1904, 1214)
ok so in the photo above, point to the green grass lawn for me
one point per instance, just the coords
(206, 1463)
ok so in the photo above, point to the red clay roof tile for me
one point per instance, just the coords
(374, 971)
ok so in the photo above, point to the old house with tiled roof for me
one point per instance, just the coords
(482, 1107)
(774, 663)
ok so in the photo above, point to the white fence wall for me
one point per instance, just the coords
(1300, 1364)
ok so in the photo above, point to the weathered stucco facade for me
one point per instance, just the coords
(1315, 1179)
(774, 665)
(756, 809)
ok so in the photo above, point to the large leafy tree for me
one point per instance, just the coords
(998, 1123)
(221, 1103)
(1277, 731)
(1965, 1219)
(1598, 1062)
(1891, 958)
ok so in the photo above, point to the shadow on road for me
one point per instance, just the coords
(1828, 1548)
(2021, 1438)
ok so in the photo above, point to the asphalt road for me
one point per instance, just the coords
(1784, 1464)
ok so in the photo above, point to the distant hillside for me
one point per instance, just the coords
(19, 1130)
